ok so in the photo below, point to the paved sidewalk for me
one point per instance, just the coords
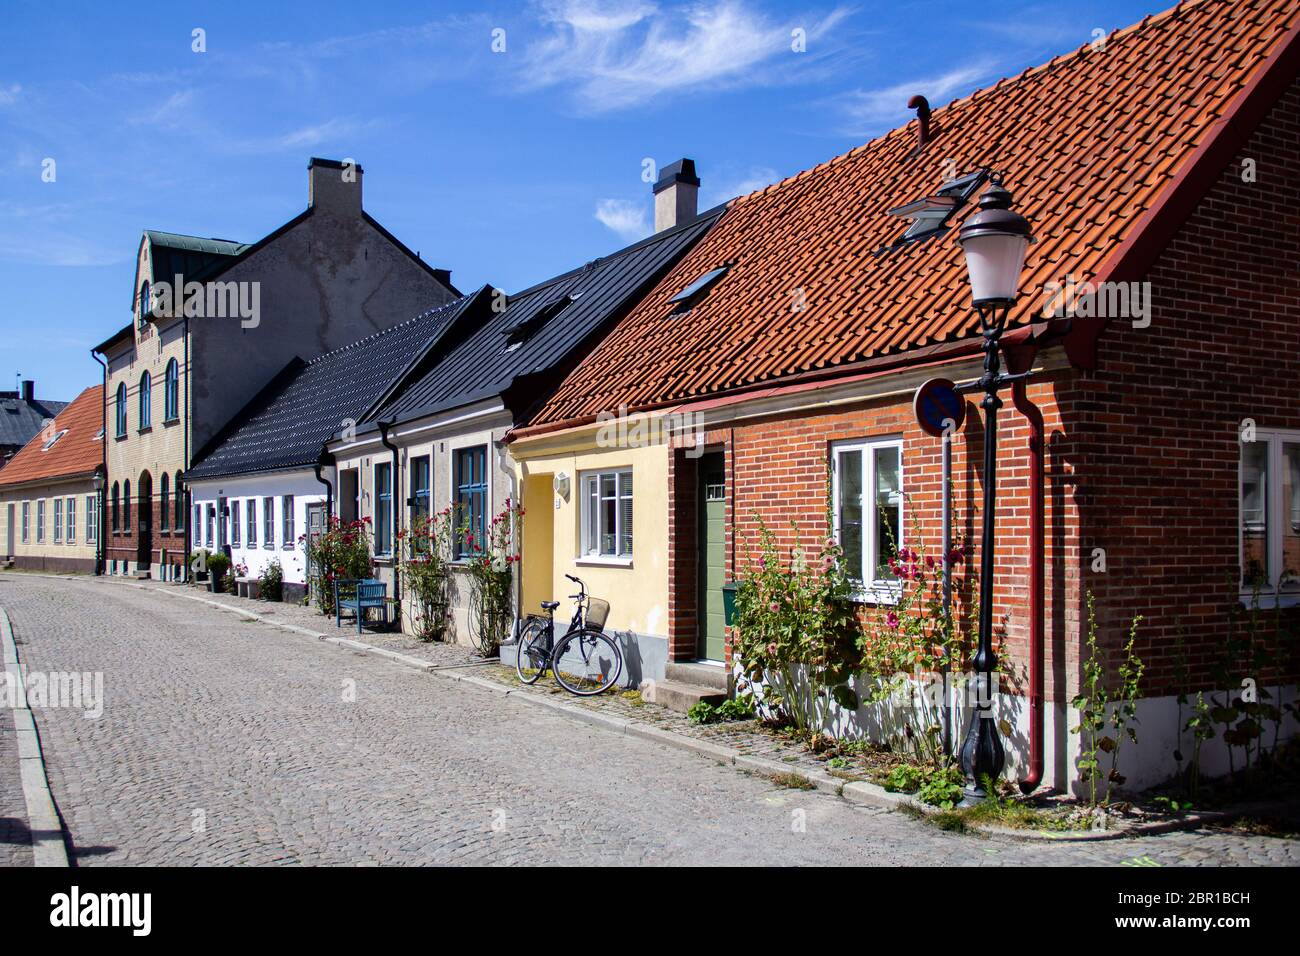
(15, 840)
(225, 741)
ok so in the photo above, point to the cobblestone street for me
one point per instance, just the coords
(224, 741)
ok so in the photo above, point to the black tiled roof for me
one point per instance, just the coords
(483, 366)
(20, 421)
(288, 423)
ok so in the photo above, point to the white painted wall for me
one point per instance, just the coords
(1144, 764)
(301, 484)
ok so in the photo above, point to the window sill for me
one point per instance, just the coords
(879, 596)
(168, 422)
(144, 431)
(596, 561)
(1268, 602)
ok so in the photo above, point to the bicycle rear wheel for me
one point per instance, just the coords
(531, 655)
(587, 662)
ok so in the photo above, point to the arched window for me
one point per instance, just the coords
(126, 506)
(164, 503)
(171, 392)
(144, 302)
(117, 518)
(121, 409)
(146, 399)
(179, 523)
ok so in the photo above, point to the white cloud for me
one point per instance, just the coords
(9, 95)
(869, 111)
(625, 217)
(618, 54)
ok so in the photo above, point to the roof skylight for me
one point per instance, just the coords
(697, 290)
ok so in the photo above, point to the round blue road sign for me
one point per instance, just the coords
(938, 406)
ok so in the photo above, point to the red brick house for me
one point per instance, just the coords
(1166, 154)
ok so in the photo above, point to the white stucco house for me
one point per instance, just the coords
(262, 484)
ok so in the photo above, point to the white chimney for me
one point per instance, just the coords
(334, 186)
(676, 195)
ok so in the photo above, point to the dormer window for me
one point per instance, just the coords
(49, 442)
(526, 326)
(930, 214)
(687, 299)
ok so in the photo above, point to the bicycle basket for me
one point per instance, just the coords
(597, 612)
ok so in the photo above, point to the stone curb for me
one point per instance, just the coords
(43, 822)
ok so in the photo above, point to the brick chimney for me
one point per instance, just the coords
(334, 186)
(676, 195)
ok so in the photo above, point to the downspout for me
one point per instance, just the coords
(395, 497)
(1018, 360)
(325, 460)
(186, 502)
(103, 453)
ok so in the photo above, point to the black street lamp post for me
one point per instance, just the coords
(994, 241)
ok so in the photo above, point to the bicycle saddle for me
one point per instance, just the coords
(550, 605)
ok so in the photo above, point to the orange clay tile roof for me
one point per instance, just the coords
(1087, 142)
(75, 453)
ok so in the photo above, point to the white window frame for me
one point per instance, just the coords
(268, 523)
(287, 526)
(586, 554)
(92, 523)
(58, 521)
(1275, 508)
(882, 591)
(40, 521)
(27, 522)
(70, 520)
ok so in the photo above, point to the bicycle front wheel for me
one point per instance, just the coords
(587, 662)
(531, 657)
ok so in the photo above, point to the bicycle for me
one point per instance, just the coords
(586, 661)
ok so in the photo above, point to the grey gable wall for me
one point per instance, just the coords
(328, 281)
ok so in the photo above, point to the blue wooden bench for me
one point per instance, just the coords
(366, 593)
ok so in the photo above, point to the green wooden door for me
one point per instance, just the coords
(712, 566)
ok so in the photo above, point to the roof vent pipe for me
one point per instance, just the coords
(922, 107)
(29, 391)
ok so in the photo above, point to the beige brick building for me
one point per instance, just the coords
(213, 322)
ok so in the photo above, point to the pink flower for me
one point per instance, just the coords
(929, 561)
(774, 607)
(892, 620)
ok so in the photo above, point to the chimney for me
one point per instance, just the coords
(922, 107)
(676, 195)
(29, 391)
(334, 186)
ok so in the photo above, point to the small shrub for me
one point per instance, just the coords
(905, 778)
(738, 708)
(270, 583)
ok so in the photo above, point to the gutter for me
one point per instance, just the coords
(326, 460)
(101, 544)
(394, 498)
(1020, 358)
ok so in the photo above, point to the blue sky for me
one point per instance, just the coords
(505, 167)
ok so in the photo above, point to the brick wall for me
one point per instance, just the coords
(781, 479)
(1154, 430)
